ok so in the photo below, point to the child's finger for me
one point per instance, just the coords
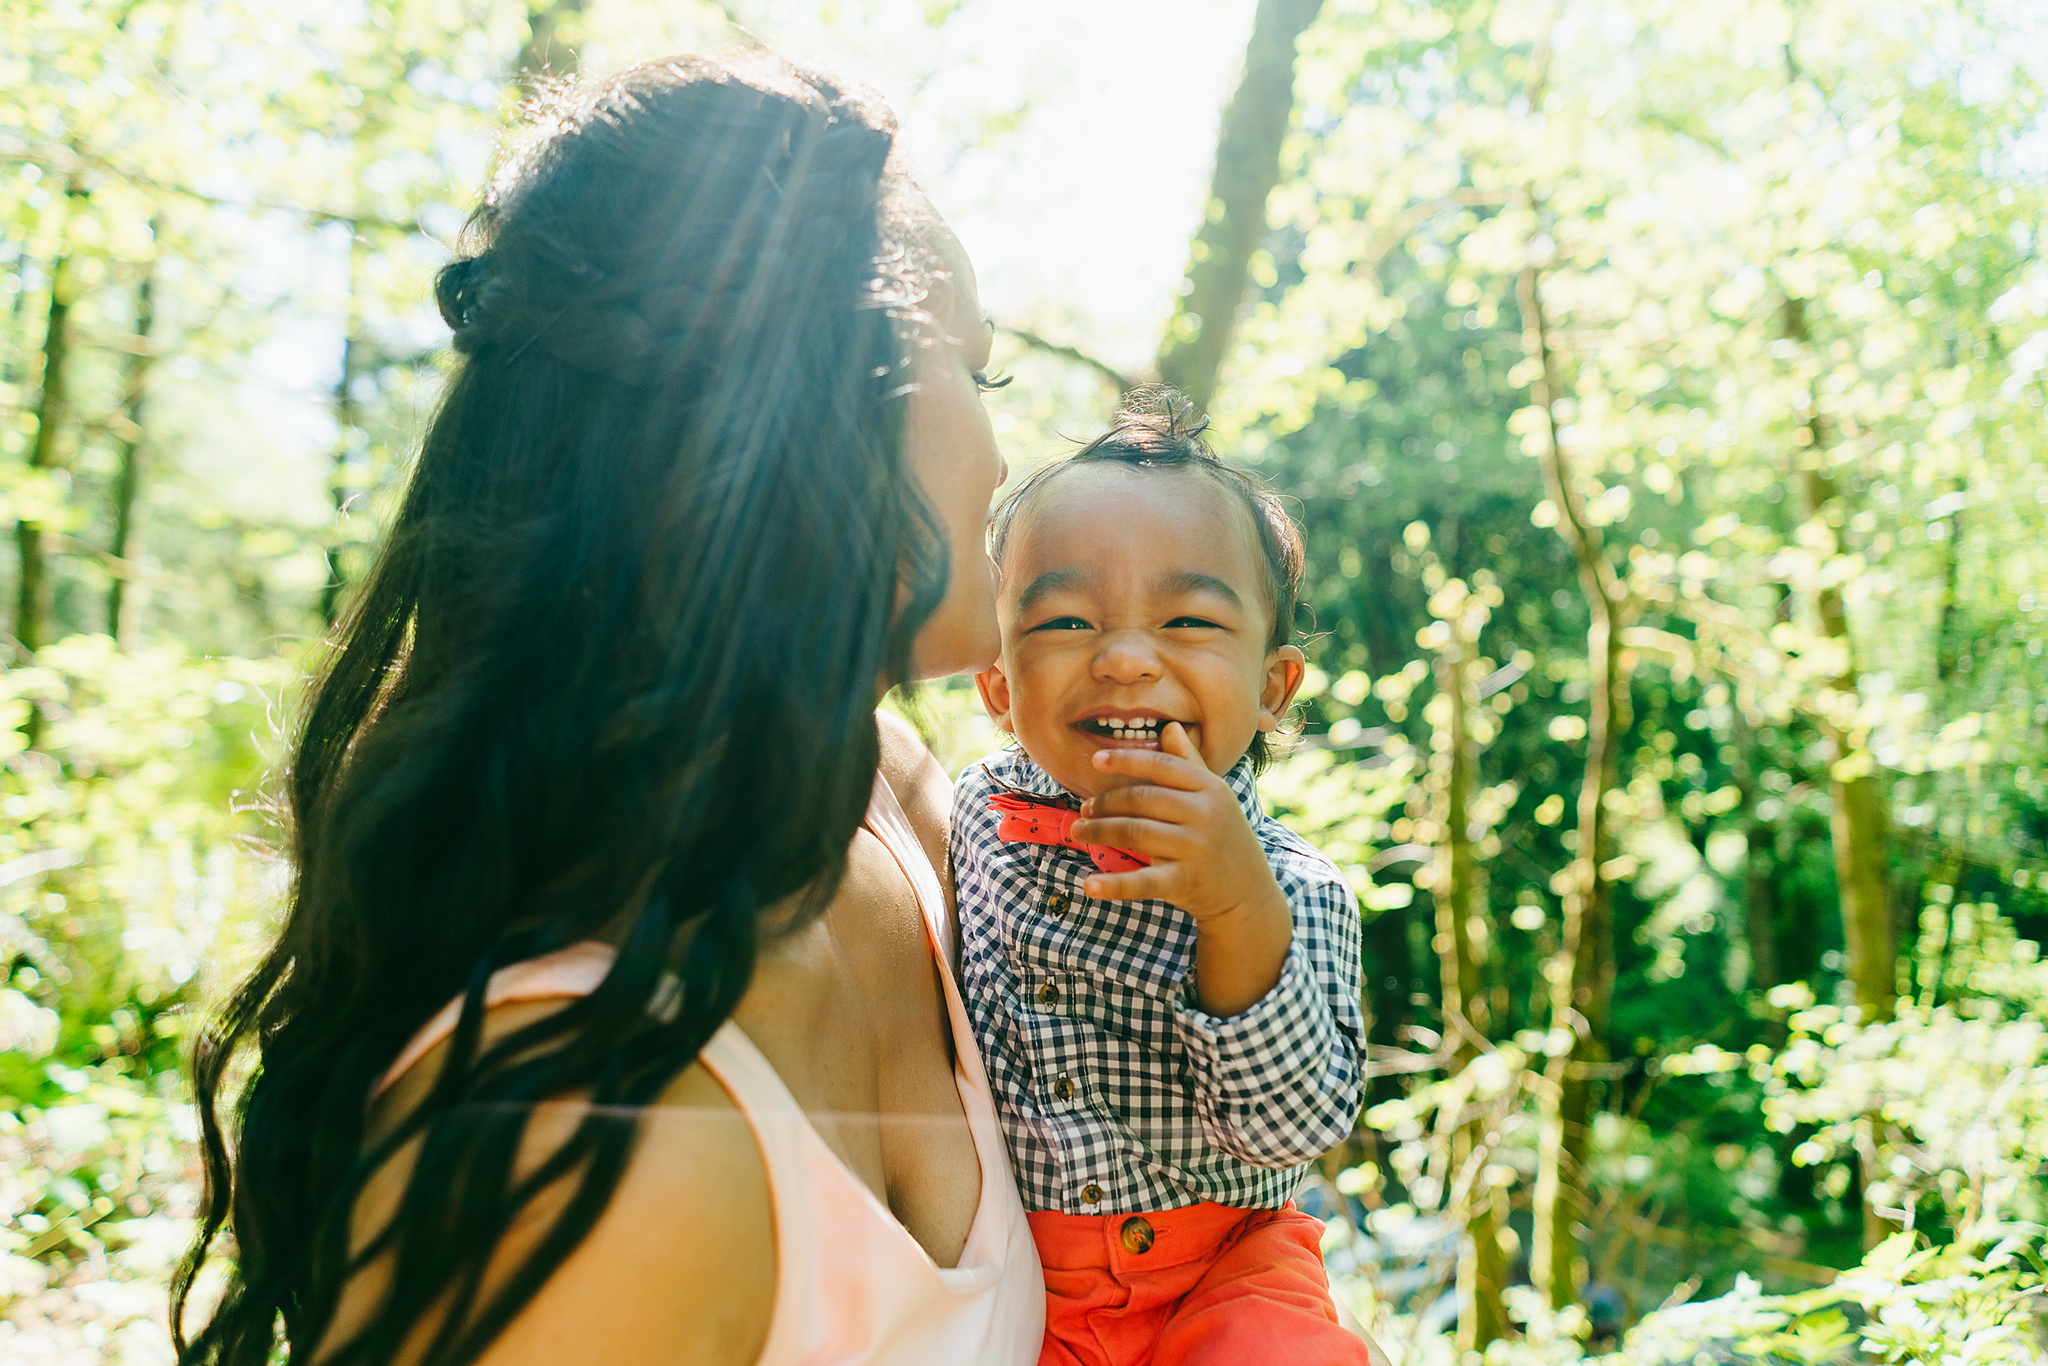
(1168, 770)
(1161, 882)
(1154, 803)
(1158, 839)
(1175, 741)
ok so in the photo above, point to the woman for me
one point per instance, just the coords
(594, 773)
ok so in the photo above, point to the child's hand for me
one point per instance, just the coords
(1205, 858)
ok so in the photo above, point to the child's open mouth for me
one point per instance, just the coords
(1143, 729)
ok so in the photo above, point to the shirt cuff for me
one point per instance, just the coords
(1288, 1034)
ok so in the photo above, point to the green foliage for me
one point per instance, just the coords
(1952, 1095)
(135, 870)
(1791, 258)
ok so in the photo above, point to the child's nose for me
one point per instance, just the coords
(1127, 657)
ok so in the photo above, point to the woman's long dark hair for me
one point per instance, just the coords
(613, 676)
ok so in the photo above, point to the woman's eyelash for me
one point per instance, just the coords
(985, 384)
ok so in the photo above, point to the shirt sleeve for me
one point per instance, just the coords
(1281, 1083)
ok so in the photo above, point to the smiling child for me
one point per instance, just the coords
(1163, 979)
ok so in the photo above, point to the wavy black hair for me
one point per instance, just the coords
(613, 676)
(1158, 427)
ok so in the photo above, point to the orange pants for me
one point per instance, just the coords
(1201, 1286)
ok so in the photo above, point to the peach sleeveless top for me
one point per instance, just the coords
(852, 1287)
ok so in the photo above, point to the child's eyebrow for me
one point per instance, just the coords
(1181, 581)
(1052, 581)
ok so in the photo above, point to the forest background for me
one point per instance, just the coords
(1660, 384)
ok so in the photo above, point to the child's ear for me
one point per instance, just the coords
(1285, 668)
(994, 688)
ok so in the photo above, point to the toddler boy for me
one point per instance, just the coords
(1164, 981)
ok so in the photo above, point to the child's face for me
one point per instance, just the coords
(1136, 596)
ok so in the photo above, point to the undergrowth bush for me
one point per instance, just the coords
(134, 870)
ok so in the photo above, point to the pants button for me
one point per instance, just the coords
(1137, 1234)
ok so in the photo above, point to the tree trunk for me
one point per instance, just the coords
(1760, 903)
(1247, 167)
(1581, 977)
(1857, 796)
(1759, 877)
(348, 431)
(1482, 1270)
(32, 587)
(546, 55)
(123, 596)
(1948, 641)
(1858, 825)
(1388, 984)
(1383, 647)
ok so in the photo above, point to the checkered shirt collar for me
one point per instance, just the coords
(1013, 768)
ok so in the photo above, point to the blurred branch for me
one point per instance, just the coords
(1770, 1261)
(1678, 128)
(125, 344)
(1413, 217)
(1401, 853)
(76, 164)
(35, 865)
(1075, 354)
(1385, 1060)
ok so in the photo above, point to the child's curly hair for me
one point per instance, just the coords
(1157, 427)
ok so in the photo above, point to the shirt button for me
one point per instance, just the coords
(1063, 1088)
(1057, 904)
(1091, 1194)
(1048, 994)
(1137, 1234)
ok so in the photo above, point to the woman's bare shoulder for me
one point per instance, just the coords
(681, 1266)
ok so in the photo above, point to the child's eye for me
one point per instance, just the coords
(1183, 623)
(985, 384)
(1062, 624)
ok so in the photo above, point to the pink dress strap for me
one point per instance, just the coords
(574, 971)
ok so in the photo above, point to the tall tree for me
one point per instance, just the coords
(32, 585)
(350, 457)
(1455, 880)
(1856, 790)
(32, 590)
(130, 428)
(1234, 221)
(1581, 978)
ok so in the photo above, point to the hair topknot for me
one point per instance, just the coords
(1170, 418)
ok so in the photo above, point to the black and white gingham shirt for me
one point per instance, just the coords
(1116, 1092)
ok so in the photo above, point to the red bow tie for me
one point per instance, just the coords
(1039, 820)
